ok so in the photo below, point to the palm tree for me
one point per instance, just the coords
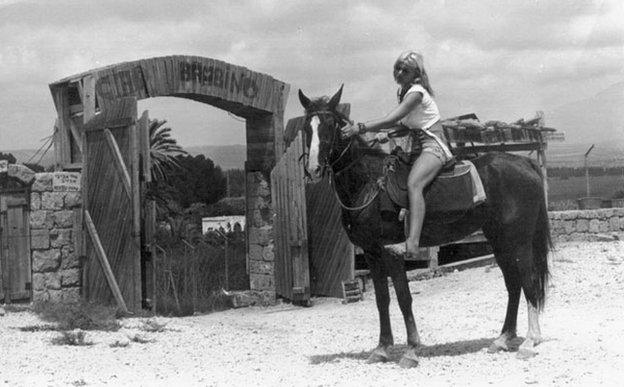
(163, 150)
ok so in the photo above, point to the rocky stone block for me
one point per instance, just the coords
(40, 296)
(261, 267)
(268, 254)
(43, 182)
(261, 282)
(70, 294)
(614, 223)
(60, 237)
(568, 226)
(603, 226)
(21, 172)
(39, 239)
(70, 277)
(45, 260)
(569, 215)
(255, 251)
(40, 219)
(63, 219)
(73, 200)
(582, 225)
(594, 225)
(35, 201)
(69, 259)
(52, 200)
(260, 235)
(46, 281)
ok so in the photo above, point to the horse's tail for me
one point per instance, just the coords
(542, 244)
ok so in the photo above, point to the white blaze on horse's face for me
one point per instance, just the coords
(313, 161)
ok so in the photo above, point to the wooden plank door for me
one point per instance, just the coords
(15, 247)
(332, 255)
(111, 198)
(292, 277)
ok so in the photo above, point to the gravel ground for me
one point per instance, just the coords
(458, 315)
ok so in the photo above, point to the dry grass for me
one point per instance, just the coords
(73, 338)
(79, 315)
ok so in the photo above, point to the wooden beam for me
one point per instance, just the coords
(88, 97)
(106, 268)
(119, 162)
(75, 132)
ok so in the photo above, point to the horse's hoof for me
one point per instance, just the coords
(497, 347)
(379, 355)
(525, 353)
(409, 359)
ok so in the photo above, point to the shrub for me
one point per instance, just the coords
(76, 338)
(79, 315)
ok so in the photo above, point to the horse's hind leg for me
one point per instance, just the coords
(513, 284)
(396, 267)
(531, 288)
(382, 298)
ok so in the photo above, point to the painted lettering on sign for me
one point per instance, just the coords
(66, 181)
(228, 78)
(122, 84)
(4, 166)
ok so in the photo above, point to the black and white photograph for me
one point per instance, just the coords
(311, 193)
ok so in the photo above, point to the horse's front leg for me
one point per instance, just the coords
(382, 297)
(396, 266)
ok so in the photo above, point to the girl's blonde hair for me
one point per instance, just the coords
(415, 61)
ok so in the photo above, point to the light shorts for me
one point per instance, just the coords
(431, 145)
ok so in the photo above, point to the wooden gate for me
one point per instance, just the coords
(112, 206)
(332, 255)
(313, 252)
(15, 281)
(292, 277)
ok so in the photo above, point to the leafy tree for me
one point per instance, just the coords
(197, 181)
(235, 182)
(163, 150)
(8, 156)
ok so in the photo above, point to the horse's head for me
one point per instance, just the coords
(322, 132)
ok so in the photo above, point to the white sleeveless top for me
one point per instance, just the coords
(425, 114)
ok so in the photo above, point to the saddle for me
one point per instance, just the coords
(455, 190)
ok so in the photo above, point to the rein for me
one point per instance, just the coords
(330, 166)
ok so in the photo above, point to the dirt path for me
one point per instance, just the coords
(457, 315)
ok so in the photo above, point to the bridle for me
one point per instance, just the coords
(327, 166)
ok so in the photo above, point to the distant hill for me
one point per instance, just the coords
(225, 156)
(32, 156)
(596, 118)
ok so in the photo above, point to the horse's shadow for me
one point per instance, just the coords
(427, 351)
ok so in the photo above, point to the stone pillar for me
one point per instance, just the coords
(54, 211)
(260, 233)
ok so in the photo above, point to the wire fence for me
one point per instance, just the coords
(192, 274)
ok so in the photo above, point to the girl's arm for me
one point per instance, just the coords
(391, 119)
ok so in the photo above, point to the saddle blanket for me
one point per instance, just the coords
(459, 189)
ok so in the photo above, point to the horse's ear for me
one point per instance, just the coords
(335, 100)
(305, 101)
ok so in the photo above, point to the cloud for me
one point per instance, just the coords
(501, 59)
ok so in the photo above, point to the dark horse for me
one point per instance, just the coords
(514, 220)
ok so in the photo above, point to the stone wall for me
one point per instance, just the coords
(586, 224)
(54, 210)
(260, 233)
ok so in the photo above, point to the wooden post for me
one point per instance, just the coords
(136, 209)
(101, 254)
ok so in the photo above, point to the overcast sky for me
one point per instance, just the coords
(499, 59)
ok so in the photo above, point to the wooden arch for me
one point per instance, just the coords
(257, 97)
(98, 132)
